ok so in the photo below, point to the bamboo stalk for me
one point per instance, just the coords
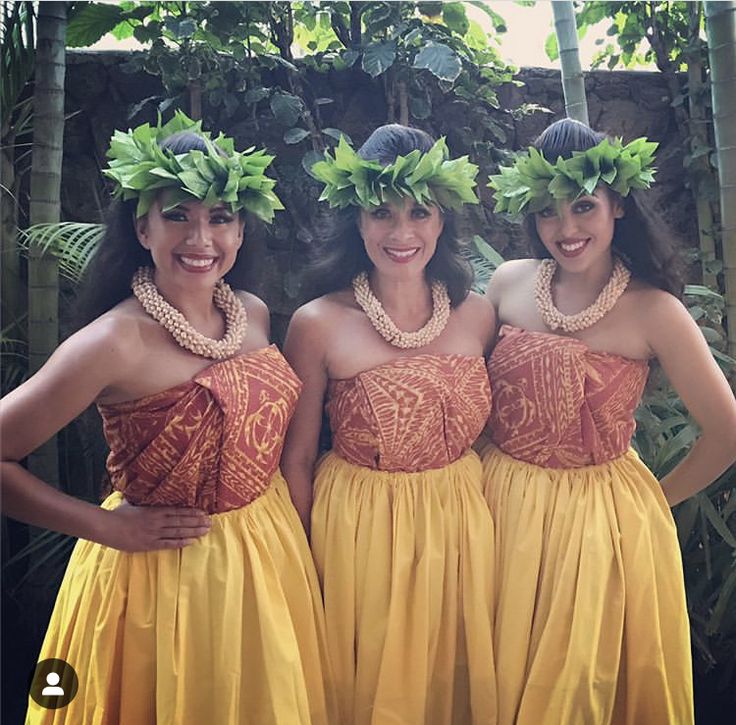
(700, 171)
(720, 18)
(573, 83)
(45, 206)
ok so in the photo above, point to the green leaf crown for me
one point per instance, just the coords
(430, 177)
(141, 169)
(533, 183)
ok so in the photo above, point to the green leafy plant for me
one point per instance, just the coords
(534, 183)
(430, 177)
(141, 169)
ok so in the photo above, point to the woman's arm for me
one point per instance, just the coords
(304, 349)
(76, 374)
(683, 353)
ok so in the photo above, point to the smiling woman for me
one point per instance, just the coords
(394, 346)
(591, 621)
(191, 596)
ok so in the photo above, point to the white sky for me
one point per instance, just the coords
(528, 28)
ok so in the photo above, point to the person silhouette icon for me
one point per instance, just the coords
(52, 687)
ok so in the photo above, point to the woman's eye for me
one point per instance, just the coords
(174, 216)
(420, 212)
(380, 213)
(547, 212)
(221, 219)
(582, 206)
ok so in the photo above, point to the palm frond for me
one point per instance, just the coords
(17, 43)
(484, 260)
(13, 360)
(72, 243)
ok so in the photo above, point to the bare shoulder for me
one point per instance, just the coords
(324, 312)
(666, 322)
(510, 274)
(477, 308)
(258, 313)
(661, 306)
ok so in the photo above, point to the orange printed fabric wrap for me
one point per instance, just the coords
(559, 404)
(213, 442)
(411, 414)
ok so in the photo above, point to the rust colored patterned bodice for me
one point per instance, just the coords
(213, 442)
(559, 404)
(410, 414)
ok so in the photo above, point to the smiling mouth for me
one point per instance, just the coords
(572, 247)
(199, 264)
(401, 255)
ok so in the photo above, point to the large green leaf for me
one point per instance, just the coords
(440, 60)
(295, 135)
(551, 48)
(286, 107)
(455, 18)
(92, 22)
(378, 57)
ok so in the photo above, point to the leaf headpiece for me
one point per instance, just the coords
(430, 177)
(142, 169)
(533, 183)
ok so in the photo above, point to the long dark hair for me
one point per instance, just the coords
(341, 254)
(107, 279)
(640, 238)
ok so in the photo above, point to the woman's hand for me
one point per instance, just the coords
(148, 528)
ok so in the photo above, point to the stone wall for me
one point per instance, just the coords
(100, 97)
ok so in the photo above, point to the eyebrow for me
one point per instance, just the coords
(184, 206)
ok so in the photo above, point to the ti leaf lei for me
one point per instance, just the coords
(533, 183)
(429, 177)
(142, 169)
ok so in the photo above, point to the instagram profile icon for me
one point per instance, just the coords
(54, 684)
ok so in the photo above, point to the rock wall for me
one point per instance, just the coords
(100, 97)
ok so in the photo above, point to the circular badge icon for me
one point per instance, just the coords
(54, 684)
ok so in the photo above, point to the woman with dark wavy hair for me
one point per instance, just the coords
(191, 595)
(590, 619)
(401, 535)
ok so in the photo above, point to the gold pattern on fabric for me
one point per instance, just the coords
(213, 442)
(559, 404)
(410, 414)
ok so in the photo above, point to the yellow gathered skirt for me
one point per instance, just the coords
(591, 622)
(406, 565)
(228, 630)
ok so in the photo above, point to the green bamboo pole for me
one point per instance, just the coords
(45, 206)
(720, 21)
(701, 174)
(573, 84)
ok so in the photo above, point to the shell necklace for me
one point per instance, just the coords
(385, 326)
(603, 304)
(236, 319)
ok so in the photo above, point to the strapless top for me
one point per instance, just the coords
(212, 442)
(559, 404)
(410, 414)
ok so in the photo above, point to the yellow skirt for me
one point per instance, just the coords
(227, 630)
(591, 623)
(406, 565)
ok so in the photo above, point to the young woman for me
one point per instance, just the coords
(191, 596)
(400, 532)
(591, 624)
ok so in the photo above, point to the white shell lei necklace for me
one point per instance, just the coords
(385, 326)
(603, 304)
(236, 319)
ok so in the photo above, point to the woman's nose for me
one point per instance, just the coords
(199, 233)
(402, 229)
